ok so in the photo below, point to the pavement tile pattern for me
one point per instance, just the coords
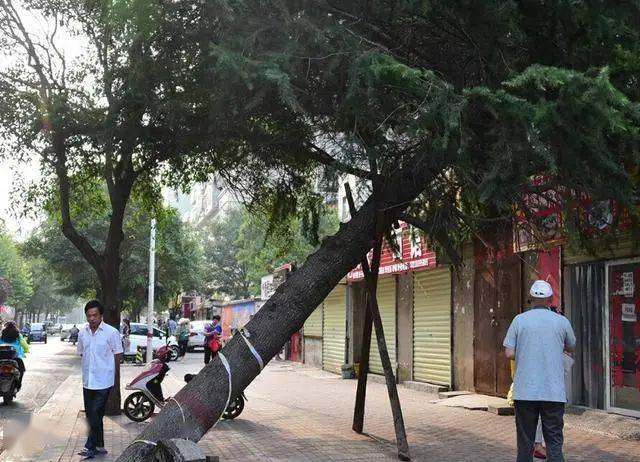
(297, 413)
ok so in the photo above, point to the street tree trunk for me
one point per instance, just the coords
(111, 303)
(203, 400)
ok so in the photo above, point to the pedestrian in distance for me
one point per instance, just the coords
(182, 334)
(212, 335)
(172, 326)
(537, 340)
(100, 346)
(125, 330)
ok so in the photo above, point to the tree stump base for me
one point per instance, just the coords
(179, 450)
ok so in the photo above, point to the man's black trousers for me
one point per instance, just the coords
(95, 403)
(552, 415)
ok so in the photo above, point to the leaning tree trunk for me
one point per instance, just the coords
(202, 401)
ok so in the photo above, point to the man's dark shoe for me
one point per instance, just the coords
(87, 454)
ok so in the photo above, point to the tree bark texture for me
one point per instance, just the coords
(203, 400)
(110, 282)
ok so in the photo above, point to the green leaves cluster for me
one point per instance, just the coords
(15, 269)
(27, 282)
(484, 96)
(178, 255)
(244, 245)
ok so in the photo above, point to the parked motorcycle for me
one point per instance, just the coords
(9, 373)
(139, 406)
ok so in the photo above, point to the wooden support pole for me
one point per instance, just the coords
(361, 392)
(373, 313)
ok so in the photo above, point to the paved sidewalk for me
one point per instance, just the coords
(298, 413)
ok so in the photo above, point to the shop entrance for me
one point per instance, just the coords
(623, 337)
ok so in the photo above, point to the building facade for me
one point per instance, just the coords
(445, 327)
(204, 202)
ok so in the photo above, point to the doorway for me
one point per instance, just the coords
(498, 288)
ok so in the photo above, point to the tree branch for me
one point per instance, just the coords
(322, 156)
(68, 229)
(27, 44)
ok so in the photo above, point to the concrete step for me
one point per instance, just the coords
(425, 387)
(500, 409)
(453, 394)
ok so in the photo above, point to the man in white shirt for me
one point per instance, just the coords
(100, 346)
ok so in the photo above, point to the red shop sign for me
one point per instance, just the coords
(411, 254)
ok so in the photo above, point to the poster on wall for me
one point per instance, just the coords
(629, 312)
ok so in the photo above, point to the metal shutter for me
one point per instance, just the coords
(334, 327)
(313, 324)
(432, 326)
(387, 303)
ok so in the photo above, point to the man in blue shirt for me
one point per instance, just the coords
(537, 340)
(172, 325)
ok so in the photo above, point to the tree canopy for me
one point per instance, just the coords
(178, 254)
(17, 287)
(244, 245)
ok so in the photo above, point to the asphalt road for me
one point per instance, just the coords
(47, 366)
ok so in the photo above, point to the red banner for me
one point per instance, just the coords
(548, 269)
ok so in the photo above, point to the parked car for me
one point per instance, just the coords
(64, 332)
(196, 338)
(37, 333)
(138, 336)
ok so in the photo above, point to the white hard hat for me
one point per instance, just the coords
(541, 289)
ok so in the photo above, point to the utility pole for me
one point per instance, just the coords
(152, 275)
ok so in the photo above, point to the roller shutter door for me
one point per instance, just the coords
(432, 326)
(334, 327)
(313, 324)
(387, 303)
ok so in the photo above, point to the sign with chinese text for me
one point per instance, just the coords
(409, 253)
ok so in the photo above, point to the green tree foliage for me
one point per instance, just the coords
(178, 259)
(14, 268)
(178, 255)
(224, 274)
(450, 109)
(47, 298)
(484, 97)
(245, 245)
(263, 246)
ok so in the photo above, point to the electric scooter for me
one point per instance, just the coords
(139, 406)
(9, 373)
